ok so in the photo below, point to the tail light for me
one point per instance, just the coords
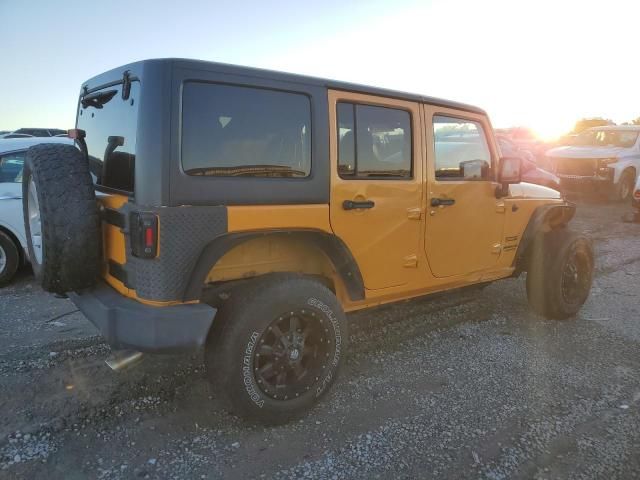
(144, 235)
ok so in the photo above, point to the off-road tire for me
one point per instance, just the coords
(240, 328)
(623, 190)
(550, 277)
(69, 218)
(11, 256)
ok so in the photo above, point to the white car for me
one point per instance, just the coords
(13, 244)
(606, 159)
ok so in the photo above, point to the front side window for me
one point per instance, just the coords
(461, 149)
(11, 167)
(373, 142)
(241, 131)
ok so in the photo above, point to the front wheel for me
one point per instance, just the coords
(623, 190)
(276, 347)
(560, 273)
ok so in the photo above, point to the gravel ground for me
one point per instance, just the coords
(471, 385)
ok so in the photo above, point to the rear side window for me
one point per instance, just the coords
(373, 142)
(461, 149)
(241, 131)
(11, 167)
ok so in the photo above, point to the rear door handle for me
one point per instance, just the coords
(352, 205)
(442, 202)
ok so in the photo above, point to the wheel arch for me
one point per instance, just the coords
(335, 250)
(14, 238)
(633, 170)
(544, 219)
(627, 167)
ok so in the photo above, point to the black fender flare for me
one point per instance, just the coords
(335, 249)
(558, 215)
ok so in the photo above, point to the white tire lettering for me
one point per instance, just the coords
(314, 302)
(248, 380)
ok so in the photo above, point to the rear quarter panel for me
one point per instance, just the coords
(11, 211)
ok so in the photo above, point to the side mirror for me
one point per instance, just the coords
(510, 172)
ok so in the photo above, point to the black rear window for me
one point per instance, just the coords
(241, 131)
(111, 124)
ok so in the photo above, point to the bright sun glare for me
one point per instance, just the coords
(524, 65)
(533, 64)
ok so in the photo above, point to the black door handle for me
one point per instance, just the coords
(442, 202)
(351, 205)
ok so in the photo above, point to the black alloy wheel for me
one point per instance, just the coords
(291, 355)
(276, 346)
(576, 278)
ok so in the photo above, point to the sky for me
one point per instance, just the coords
(537, 63)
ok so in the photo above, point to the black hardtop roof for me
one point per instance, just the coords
(136, 68)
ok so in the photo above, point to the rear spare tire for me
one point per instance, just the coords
(61, 218)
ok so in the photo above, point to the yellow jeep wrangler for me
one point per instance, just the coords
(245, 211)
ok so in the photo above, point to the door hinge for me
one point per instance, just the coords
(410, 261)
(496, 248)
(414, 213)
(500, 208)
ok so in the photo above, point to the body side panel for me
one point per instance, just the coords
(386, 239)
(466, 236)
(220, 190)
(256, 217)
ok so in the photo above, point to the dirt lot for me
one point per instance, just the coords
(472, 385)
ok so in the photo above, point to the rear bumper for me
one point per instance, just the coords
(128, 324)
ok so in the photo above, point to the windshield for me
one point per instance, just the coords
(607, 138)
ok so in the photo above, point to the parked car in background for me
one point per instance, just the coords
(13, 243)
(635, 202)
(531, 172)
(526, 139)
(634, 215)
(15, 135)
(510, 148)
(41, 132)
(606, 159)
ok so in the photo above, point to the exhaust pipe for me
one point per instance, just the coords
(123, 359)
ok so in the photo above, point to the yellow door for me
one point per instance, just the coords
(465, 220)
(376, 184)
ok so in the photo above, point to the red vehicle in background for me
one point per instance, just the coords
(531, 172)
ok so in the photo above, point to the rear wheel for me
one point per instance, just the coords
(277, 347)
(9, 258)
(560, 273)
